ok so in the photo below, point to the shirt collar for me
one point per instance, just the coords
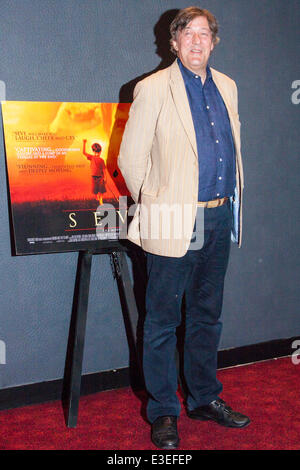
(189, 75)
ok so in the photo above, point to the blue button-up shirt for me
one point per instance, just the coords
(215, 146)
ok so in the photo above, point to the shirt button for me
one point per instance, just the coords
(212, 123)
(221, 159)
(218, 194)
(220, 177)
(207, 107)
(217, 141)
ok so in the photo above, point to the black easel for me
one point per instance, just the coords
(73, 371)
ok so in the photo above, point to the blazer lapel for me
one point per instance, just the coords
(182, 104)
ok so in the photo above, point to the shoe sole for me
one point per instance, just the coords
(206, 418)
(173, 446)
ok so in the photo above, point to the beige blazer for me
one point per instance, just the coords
(158, 159)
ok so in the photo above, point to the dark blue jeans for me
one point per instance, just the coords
(200, 276)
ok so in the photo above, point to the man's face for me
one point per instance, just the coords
(194, 44)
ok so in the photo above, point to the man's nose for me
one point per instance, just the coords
(196, 38)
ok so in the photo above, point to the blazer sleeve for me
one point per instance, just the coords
(235, 97)
(135, 150)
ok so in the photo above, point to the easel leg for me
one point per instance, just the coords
(76, 347)
(126, 286)
(131, 315)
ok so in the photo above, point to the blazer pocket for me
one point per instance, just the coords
(148, 193)
(153, 192)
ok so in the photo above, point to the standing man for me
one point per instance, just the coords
(181, 151)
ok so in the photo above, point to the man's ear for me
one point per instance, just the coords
(174, 44)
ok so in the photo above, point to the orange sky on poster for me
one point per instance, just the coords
(44, 148)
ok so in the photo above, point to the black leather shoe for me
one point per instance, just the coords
(219, 412)
(164, 432)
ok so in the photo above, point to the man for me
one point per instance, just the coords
(181, 149)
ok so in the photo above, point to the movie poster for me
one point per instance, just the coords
(66, 190)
